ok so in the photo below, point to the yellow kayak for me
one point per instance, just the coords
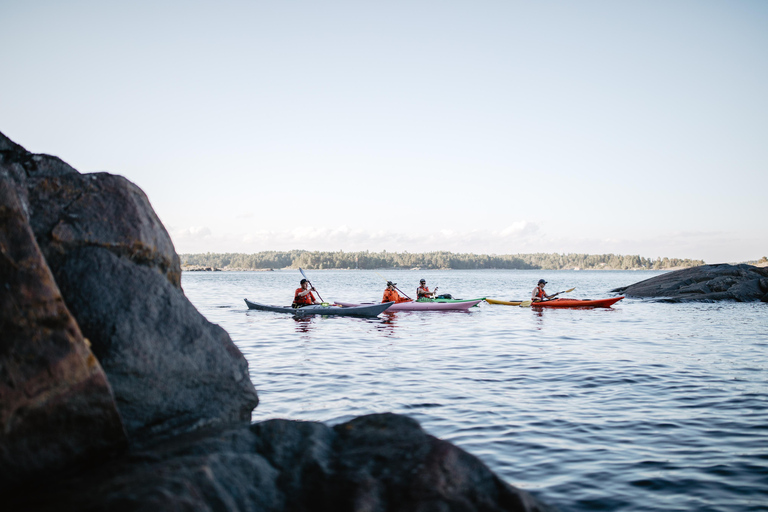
(504, 302)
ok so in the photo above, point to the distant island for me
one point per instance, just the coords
(267, 260)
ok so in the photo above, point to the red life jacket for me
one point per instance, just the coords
(541, 293)
(302, 299)
(422, 291)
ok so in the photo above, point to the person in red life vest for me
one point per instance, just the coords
(539, 294)
(303, 295)
(422, 292)
(391, 294)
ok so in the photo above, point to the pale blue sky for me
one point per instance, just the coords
(483, 126)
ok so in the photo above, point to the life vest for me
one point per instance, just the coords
(393, 296)
(302, 299)
(540, 293)
(422, 291)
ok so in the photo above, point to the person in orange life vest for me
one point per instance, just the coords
(391, 295)
(303, 295)
(422, 292)
(539, 294)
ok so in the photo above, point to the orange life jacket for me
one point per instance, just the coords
(541, 293)
(393, 296)
(422, 290)
(302, 299)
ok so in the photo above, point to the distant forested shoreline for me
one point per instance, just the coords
(429, 260)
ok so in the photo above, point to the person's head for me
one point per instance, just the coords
(542, 283)
(423, 282)
(391, 285)
(303, 282)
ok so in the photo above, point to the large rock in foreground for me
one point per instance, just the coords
(56, 406)
(381, 462)
(741, 283)
(113, 261)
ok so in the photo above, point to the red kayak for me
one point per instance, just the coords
(575, 303)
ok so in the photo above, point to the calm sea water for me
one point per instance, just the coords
(643, 406)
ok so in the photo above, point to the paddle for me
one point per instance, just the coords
(395, 287)
(311, 287)
(527, 303)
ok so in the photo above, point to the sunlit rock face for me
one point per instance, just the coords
(741, 283)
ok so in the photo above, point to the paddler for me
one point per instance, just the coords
(303, 295)
(391, 294)
(539, 294)
(422, 292)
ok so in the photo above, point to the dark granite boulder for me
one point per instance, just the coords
(119, 275)
(68, 211)
(170, 368)
(376, 463)
(57, 410)
(741, 283)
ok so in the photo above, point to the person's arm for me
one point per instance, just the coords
(308, 290)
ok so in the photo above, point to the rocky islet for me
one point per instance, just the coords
(708, 283)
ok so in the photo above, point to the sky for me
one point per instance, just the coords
(495, 127)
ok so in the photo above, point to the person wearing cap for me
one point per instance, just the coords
(391, 294)
(422, 292)
(303, 295)
(539, 294)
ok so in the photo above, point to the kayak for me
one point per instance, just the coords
(330, 309)
(422, 306)
(576, 303)
(504, 302)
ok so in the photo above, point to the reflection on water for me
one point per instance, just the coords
(642, 406)
(303, 324)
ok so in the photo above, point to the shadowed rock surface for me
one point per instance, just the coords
(742, 283)
(156, 416)
(56, 405)
(381, 462)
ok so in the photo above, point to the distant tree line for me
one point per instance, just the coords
(430, 260)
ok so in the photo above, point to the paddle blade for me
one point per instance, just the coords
(569, 291)
(526, 303)
(303, 274)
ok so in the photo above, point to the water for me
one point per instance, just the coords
(643, 406)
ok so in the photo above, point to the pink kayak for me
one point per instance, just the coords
(420, 306)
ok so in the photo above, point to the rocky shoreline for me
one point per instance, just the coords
(116, 394)
(707, 283)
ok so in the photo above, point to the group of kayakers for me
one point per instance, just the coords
(303, 295)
